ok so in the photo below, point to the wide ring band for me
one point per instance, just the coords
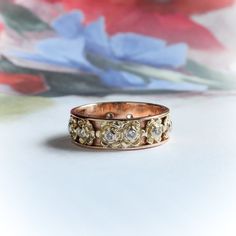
(120, 125)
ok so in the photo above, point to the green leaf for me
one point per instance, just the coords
(199, 74)
(163, 74)
(147, 72)
(7, 66)
(61, 83)
(225, 80)
(20, 19)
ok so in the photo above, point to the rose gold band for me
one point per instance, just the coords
(120, 125)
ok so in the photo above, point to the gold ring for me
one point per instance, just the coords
(120, 125)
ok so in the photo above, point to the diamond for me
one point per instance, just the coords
(156, 131)
(110, 136)
(81, 133)
(131, 134)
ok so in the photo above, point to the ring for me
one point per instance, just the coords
(120, 125)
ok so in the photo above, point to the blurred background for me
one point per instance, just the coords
(58, 54)
(51, 48)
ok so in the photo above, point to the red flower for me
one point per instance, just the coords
(1, 27)
(161, 6)
(173, 28)
(24, 83)
(154, 18)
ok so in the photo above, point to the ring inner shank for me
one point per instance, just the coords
(119, 110)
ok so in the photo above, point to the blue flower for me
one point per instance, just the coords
(75, 41)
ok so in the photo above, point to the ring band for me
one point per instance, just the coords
(120, 125)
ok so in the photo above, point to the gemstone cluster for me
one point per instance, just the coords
(81, 130)
(119, 134)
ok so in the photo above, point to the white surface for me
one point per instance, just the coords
(186, 187)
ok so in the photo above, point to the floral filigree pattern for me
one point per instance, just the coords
(85, 132)
(120, 134)
(167, 127)
(132, 133)
(110, 134)
(154, 130)
(72, 127)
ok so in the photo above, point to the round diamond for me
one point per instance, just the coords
(131, 134)
(81, 133)
(156, 131)
(110, 136)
